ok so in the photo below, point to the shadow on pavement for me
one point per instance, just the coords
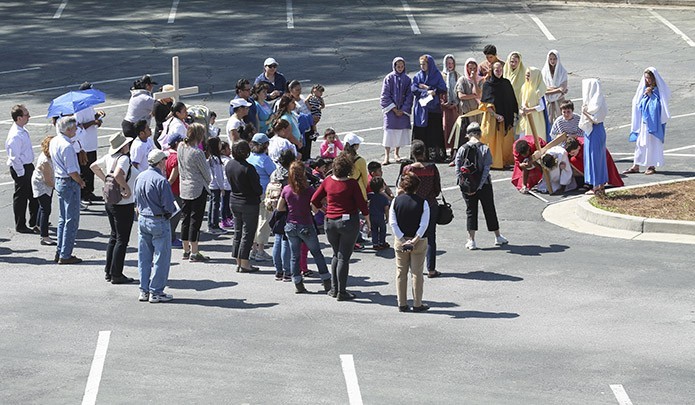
(199, 285)
(359, 281)
(223, 303)
(482, 276)
(531, 250)
(473, 314)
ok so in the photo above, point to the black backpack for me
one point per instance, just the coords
(469, 176)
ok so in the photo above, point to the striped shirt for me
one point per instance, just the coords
(570, 127)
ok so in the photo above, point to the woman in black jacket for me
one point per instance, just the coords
(245, 201)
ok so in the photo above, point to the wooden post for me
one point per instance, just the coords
(177, 92)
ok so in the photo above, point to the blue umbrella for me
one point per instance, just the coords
(74, 101)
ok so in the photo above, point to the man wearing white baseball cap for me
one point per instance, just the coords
(155, 202)
(235, 124)
(276, 80)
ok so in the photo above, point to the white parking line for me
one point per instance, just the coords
(672, 27)
(353, 388)
(19, 70)
(620, 394)
(92, 388)
(353, 102)
(78, 85)
(290, 15)
(679, 149)
(172, 12)
(411, 19)
(60, 9)
(540, 24)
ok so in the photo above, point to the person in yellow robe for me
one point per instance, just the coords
(514, 70)
(533, 104)
(499, 107)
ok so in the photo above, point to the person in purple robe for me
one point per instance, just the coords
(396, 105)
(428, 85)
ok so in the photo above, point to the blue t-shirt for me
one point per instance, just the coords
(377, 204)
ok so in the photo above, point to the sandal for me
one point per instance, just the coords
(433, 274)
(386, 162)
(650, 171)
(633, 169)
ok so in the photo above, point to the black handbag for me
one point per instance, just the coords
(446, 214)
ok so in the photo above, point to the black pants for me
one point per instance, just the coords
(121, 222)
(487, 200)
(174, 220)
(45, 201)
(342, 236)
(88, 175)
(431, 235)
(245, 225)
(128, 129)
(22, 197)
(192, 217)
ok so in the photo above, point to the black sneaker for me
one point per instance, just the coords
(404, 308)
(421, 308)
(345, 296)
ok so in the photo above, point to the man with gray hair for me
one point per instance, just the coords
(68, 185)
(155, 203)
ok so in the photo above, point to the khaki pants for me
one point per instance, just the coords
(263, 231)
(413, 261)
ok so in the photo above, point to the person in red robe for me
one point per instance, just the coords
(526, 173)
(575, 149)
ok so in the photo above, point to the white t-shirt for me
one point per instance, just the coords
(171, 127)
(233, 123)
(139, 151)
(106, 163)
(88, 137)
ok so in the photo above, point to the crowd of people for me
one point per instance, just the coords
(257, 178)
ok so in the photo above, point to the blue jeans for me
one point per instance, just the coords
(281, 255)
(154, 248)
(378, 229)
(297, 234)
(214, 208)
(69, 220)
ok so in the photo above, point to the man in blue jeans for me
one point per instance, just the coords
(155, 203)
(68, 184)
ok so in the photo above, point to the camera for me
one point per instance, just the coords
(407, 248)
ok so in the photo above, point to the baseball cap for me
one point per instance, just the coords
(147, 79)
(155, 156)
(270, 61)
(239, 102)
(352, 139)
(260, 138)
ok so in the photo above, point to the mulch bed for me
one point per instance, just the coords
(664, 201)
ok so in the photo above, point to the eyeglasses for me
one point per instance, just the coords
(273, 66)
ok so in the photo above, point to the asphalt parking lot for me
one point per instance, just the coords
(554, 317)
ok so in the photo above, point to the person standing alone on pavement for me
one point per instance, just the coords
(155, 203)
(20, 158)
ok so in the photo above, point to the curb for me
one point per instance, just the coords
(587, 212)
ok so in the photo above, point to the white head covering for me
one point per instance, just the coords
(664, 95)
(554, 80)
(450, 77)
(595, 101)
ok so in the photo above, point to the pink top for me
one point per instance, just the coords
(331, 150)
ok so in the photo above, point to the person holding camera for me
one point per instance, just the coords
(409, 217)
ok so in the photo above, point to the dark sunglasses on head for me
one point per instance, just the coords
(273, 66)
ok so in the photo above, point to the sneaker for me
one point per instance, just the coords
(252, 255)
(286, 278)
(155, 298)
(144, 296)
(215, 230)
(421, 308)
(227, 223)
(177, 244)
(262, 255)
(199, 257)
(84, 206)
(70, 260)
(278, 276)
(48, 241)
(501, 240)
(470, 245)
(186, 255)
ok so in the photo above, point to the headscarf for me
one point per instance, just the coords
(499, 91)
(450, 77)
(595, 101)
(433, 77)
(515, 77)
(475, 77)
(664, 95)
(554, 79)
(533, 89)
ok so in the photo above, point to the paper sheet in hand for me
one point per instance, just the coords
(424, 101)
